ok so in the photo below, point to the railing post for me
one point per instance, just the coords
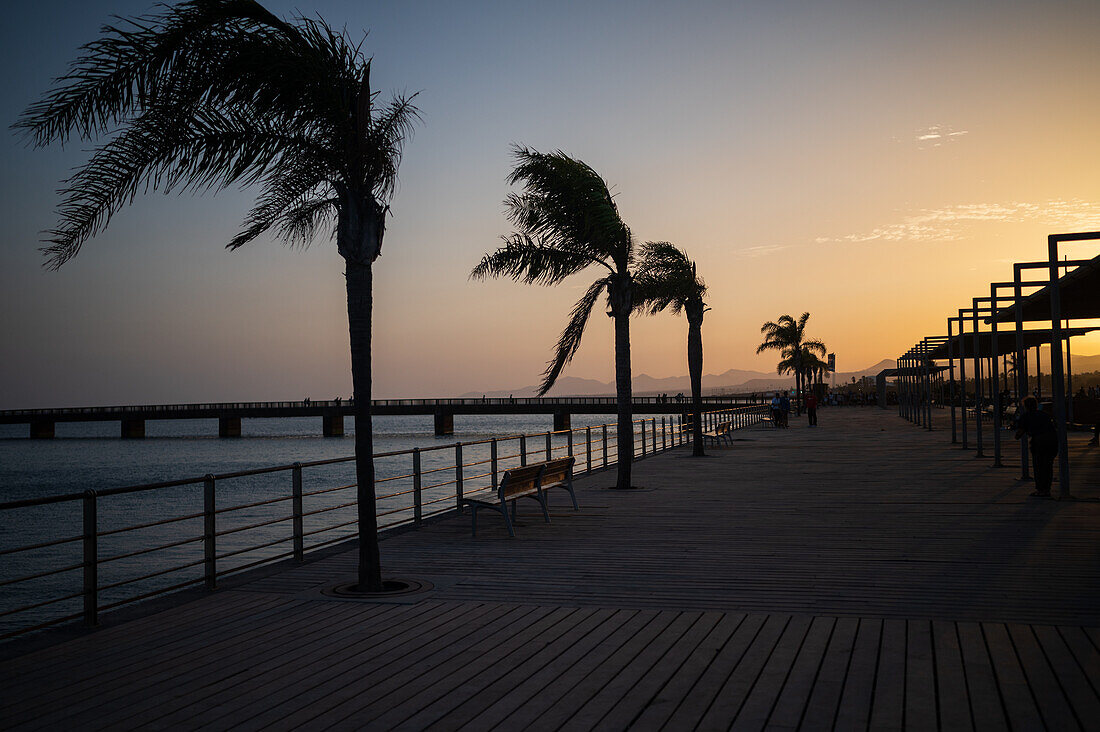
(523, 449)
(588, 448)
(493, 461)
(653, 431)
(605, 445)
(664, 435)
(569, 442)
(643, 438)
(91, 560)
(458, 475)
(299, 548)
(418, 503)
(549, 446)
(210, 562)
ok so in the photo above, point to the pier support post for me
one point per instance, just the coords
(42, 430)
(332, 425)
(562, 421)
(229, 426)
(133, 429)
(444, 423)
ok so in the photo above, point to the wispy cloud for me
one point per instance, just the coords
(762, 251)
(938, 135)
(953, 222)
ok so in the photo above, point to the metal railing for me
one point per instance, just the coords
(203, 540)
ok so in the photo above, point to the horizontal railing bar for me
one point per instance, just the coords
(41, 604)
(392, 477)
(162, 547)
(405, 492)
(161, 522)
(151, 575)
(43, 545)
(252, 505)
(246, 550)
(329, 528)
(333, 540)
(329, 508)
(258, 562)
(330, 490)
(238, 529)
(153, 593)
(30, 577)
(439, 485)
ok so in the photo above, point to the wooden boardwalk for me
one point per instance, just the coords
(861, 575)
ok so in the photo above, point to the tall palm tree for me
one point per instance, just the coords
(566, 221)
(667, 278)
(788, 336)
(213, 93)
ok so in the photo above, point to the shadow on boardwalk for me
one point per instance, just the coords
(864, 572)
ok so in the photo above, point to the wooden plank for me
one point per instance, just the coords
(791, 705)
(1082, 696)
(702, 695)
(1015, 692)
(985, 699)
(608, 669)
(921, 711)
(492, 706)
(554, 686)
(422, 700)
(854, 711)
(1053, 705)
(645, 694)
(888, 705)
(676, 690)
(824, 699)
(615, 693)
(954, 701)
(736, 689)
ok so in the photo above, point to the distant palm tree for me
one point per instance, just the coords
(813, 367)
(788, 336)
(214, 93)
(666, 278)
(566, 222)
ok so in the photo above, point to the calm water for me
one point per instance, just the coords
(91, 456)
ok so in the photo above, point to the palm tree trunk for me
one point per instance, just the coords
(798, 391)
(695, 372)
(360, 307)
(624, 398)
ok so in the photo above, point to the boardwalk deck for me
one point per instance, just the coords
(861, 574)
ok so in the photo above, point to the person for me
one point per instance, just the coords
(777, 414)
(1042, 437)
(785, 408)
(811, 408)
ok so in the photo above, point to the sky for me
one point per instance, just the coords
(876, 164)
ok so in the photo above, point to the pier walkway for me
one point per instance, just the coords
(862, 574)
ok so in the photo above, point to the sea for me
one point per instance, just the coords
(166, 548)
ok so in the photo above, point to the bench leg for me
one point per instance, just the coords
(542, 502)
(572, 494)
(507, 519)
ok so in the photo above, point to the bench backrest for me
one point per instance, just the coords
(557, 471)
(520, 480)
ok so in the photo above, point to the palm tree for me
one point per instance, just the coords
(788, 336)
(566, 221)
(213, 93)
(666, 278)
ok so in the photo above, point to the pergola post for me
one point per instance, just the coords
(1021, 360)
(977, 384)
(962, 376)
(995, 376)
(951, 380)
(1057, 383)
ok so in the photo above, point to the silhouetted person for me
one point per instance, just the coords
(811, 408)
(1042, 436)
(785, 408)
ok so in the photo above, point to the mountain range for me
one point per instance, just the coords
(733, 380)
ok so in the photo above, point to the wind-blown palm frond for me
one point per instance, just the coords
(666, 278)
(570, 339)
(525, 260)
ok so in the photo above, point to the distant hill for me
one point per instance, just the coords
(731, 381)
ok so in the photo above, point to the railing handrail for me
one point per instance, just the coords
(651, 443)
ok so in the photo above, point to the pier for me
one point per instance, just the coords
(42, 422)
(861, 574)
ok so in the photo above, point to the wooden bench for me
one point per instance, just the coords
(532, 481)
(722, 434)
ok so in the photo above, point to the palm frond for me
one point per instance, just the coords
(666, 278)
(531, 262)
(570, 339)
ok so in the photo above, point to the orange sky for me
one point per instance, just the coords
(875, 164)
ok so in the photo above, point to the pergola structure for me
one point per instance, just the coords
(1056, 293)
